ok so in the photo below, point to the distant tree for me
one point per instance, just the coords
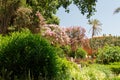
(96, 29)
(76, 35)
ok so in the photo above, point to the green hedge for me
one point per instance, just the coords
(108, 54)
(22, 53)
(115, 67)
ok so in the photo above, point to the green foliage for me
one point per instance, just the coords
(72, 54)
(23, 17)
(80, 53)
(60, 52)
(103, 68)
(53, 20)
(100, 42)
(96, 29)
(64, 72)
(66, 49)
(22, 52)
(108, 54)
(24, 56)
(7, 11)
(116, 77)
(95, 72)
(115, 67)
(86, 6)
(48, 7)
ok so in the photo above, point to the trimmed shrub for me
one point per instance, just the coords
(115, 67)
(22, 53)
(80, 53)
(108, 54)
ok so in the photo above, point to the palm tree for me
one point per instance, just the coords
(117, 10)
(96, 27)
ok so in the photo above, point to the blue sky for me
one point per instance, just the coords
(105, 8)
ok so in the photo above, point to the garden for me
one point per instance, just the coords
(34, 47)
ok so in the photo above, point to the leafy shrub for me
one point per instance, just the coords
(116, 78)
(102, 68)
(24, 56)
(60, 52)
(115, 67)
(108, 54)
(71, 71)
(95, 72)
(80, 53)
(66, 70)
(99, 42)
(23, 52)
(66, 49)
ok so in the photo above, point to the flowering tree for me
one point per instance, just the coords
(55, 34)
(76, 35)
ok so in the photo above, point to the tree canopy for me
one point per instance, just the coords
(96, 26)
(47, 8)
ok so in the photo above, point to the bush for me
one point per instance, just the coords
(108, 54)
(95, 72)
(115, 67)
(60, 52)
(80, 53)
(66, 49)
(116, 78)
(22, 53)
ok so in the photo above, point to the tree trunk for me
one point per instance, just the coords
(4, 20)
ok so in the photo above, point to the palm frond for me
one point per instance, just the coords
(96, 26)
(117, 10)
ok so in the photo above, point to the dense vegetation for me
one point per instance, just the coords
(24, 55)
(108, 54)
(21, 53)
(27, 56)
(99, 42)
(54, 53)
(26, 11)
